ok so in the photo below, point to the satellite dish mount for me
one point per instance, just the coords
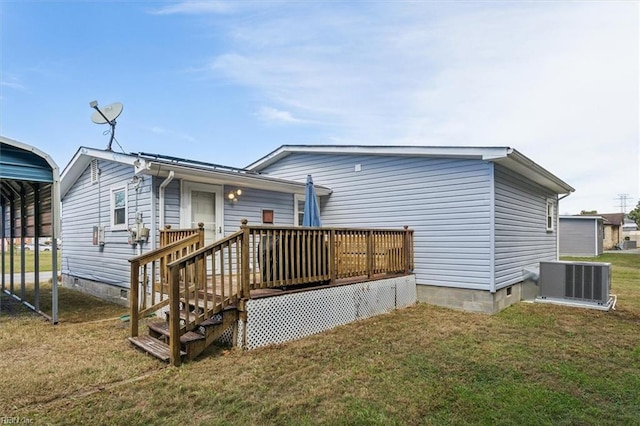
(107, 115)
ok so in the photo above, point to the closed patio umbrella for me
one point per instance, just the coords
(311, 208)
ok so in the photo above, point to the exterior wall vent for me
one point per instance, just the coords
(95, 172)
(581, 283)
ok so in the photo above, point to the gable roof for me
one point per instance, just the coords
(198, 171)
(19, 163)
(505, 156)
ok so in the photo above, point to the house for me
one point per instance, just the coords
(29, 207)
(613, 229)
(581, 235)
(114, 206)
(483, 217)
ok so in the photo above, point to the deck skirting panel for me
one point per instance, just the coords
(293, 316)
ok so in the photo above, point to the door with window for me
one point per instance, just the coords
(202, 203)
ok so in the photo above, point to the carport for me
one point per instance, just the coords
(30, 208)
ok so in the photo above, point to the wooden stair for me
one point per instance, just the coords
(192, 342)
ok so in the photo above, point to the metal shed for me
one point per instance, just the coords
(581, 235)
(30, 208)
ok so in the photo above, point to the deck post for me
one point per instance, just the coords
(201, 234)
(134, 288)
(370, 253)
(332, 256)
(244, 278)
(406, 249)
(174, 315)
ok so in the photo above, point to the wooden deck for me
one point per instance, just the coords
(196, 284)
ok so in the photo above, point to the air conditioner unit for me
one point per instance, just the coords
(582, 283)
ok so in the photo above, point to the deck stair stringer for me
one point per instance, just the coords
(194, 339)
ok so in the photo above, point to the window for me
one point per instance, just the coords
(119, 208)
(298, 209)
(551, 216)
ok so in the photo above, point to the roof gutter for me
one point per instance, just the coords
(522, 161)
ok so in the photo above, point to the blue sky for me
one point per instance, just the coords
(228, 82)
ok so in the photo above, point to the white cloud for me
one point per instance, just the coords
(557, 81)
(194, 8)
(275, 115)
(11, 82)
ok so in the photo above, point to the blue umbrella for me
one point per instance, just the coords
(311, 207)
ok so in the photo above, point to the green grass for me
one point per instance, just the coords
(45, 261)
(532, 364)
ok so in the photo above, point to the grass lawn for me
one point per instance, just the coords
(45, 261)
(531, 364)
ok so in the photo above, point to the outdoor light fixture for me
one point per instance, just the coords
(234, 195)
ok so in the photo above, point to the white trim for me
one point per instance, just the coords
(185, 204)
(296, 211)
(506, 156)
(485, 153)
(112, 190)
(492, 231)
(553, 217)
(82, 159)
(216, 177)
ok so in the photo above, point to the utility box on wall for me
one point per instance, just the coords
(98, 235)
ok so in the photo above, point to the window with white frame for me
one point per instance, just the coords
(551, 214)
(119, 208)
(298, 209)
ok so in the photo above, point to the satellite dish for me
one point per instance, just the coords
(107, 114)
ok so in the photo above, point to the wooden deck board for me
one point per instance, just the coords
(153, 346)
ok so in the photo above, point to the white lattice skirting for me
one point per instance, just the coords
(293, 316)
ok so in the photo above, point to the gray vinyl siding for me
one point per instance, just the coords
(250, 205)
(171, 203)
(521, 236)
(87, 205)
(578, 237)
(446, 202)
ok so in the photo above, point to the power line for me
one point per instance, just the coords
(623, 202)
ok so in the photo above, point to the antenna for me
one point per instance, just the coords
(107, 115)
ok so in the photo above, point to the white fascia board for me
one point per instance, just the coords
(483, 153)
(581, 217)
(219, 177)
(81, 160)
(531, 170)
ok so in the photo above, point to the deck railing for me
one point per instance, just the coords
(150, 275)
(169, 235)
(263, 257)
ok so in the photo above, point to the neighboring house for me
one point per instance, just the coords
(107, 195)
(483, 217)
(629, 225)
(581, 235)
(612, 229)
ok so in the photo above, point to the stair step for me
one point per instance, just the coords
(154, 347)
(162, 328)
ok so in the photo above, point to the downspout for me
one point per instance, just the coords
(558, 224)
(163, 185)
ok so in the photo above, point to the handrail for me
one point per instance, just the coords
(265, 257)
(152, 268)
(169, 235)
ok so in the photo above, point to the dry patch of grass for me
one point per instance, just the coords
(530, 364)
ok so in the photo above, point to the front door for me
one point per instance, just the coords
(203, 203)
